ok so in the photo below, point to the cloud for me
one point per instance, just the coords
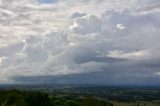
(120, 27)
(148, 5)
(47, 1)
(91, 24)
(77, 15)
(115, 42)
(11, 49)
(130, 55)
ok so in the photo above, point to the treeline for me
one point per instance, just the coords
(37, 98)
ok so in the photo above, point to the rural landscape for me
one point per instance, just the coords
(78, 95)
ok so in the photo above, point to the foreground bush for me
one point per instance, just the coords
(36, 98)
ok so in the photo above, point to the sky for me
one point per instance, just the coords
(47, 1)
(108, 42)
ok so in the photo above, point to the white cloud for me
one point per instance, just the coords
(129, 55)
(120, 27)
(91, 24)
(70, 37)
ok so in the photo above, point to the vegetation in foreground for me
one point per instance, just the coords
(51, 95)
(37, 98)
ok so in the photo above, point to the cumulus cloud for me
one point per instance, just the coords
(91, 24)
(11, 49)
(73, 40)
(77, 15)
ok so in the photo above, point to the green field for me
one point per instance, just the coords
(140, 103)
